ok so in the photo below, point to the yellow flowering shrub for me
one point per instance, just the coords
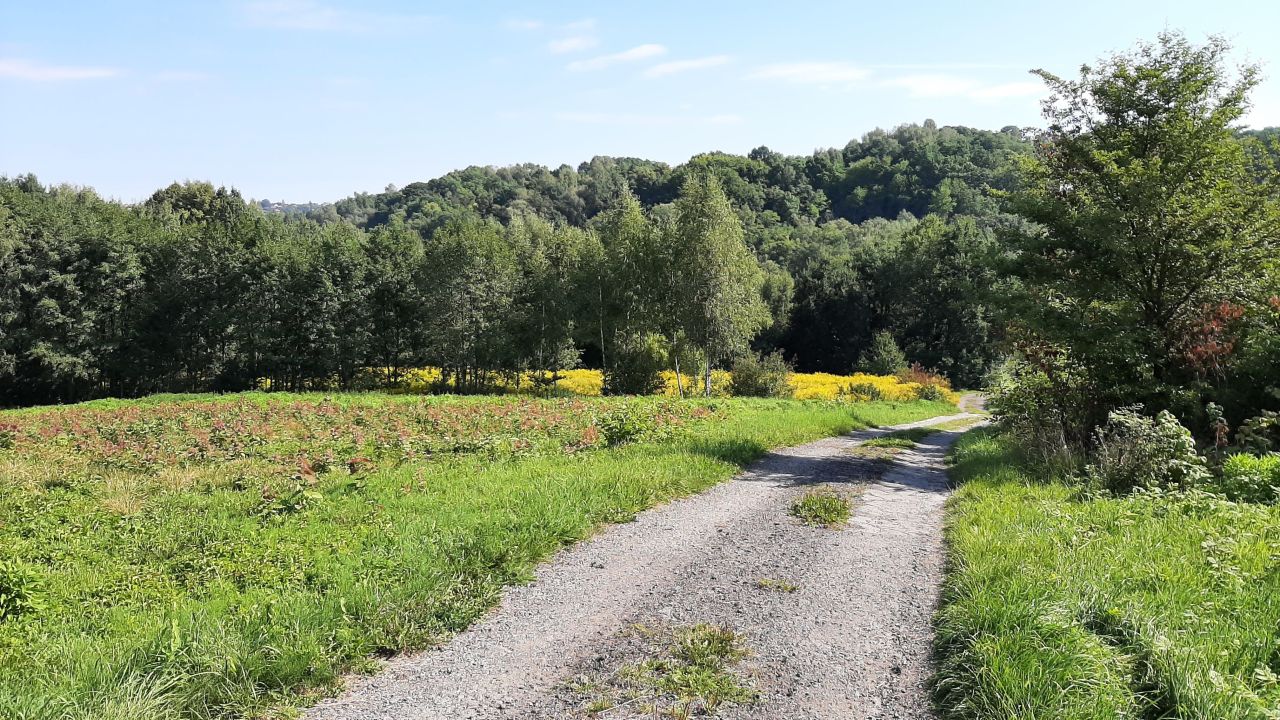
(825, 386)
(590, 382)
(858, 387)
(581, 382)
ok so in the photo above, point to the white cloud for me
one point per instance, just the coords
(583, 25)
(312, 15)
(951, 66)
(813, 73)
(573, 43)
(1010, 90)
(636, 119)
(930, 86)
(39, 72)
(940, 86)
(679, 66)
(639, 52)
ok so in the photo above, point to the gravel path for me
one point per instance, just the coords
(851, 642)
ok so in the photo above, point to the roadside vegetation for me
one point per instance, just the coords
(220, 556)
(1067, 604)
(1115, 542)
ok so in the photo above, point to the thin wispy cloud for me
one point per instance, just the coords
(951, 86)
(680, 66)
(639, 52)
(951, 66)
(315, 16)
(813, 73)
(573, 43)
(648, 120)
(19, 69)
(1009, 90)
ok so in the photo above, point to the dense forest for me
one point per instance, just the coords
(621, 263)
(492, 270)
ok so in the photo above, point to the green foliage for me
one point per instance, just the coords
(1133, 451)
(197, 289)
(883, 357)
(1148, 215)
(928, 282)
(862, 392)
(625, 424)
(931, 392)
(720, 280)
(1046, 402)
(823, 508)
(1260, 434)
(19, 591)
(782, 586)
(1249, 478)
(1058, 606)
(635, 367)
(761, 376)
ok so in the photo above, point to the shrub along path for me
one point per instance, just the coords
(835, 622)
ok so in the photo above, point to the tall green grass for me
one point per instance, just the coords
(1059, 605)
(194, 605)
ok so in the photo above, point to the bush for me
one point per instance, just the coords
(861, 392)
(635, 368)
(884, 357)
(625, 424)
(761, 376)
(1136, 451)
(1250, 478)
(1045, 402)
(931, 392)
(1261, 434)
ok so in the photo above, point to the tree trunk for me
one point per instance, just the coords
(707, 377)
(675, 360)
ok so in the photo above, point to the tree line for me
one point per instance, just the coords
(198, 290)
(626, 265)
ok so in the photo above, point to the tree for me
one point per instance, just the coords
(469, 302)
(547, 299)
(1147, 207)
(883, 357)
(721, 279)
(626, 293)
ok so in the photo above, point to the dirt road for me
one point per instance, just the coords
(851, 640)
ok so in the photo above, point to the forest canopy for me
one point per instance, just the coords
(489, 270)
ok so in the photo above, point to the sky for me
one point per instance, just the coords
(313, 100)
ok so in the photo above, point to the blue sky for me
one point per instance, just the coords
(314, 99)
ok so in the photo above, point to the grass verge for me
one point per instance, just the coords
(176, 562)
(1059, 605)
